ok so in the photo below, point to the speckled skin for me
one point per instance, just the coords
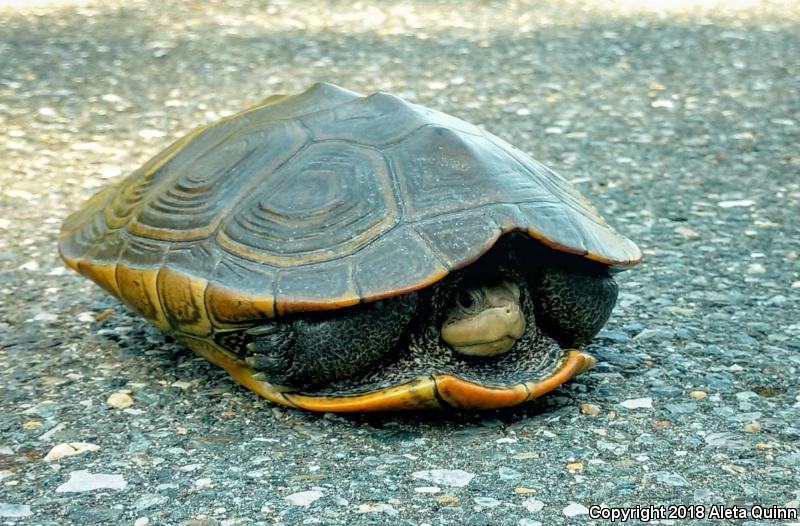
(567, 304)
(315, 348)
(572, 306)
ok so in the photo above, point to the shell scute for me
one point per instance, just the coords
(320, 200)
(441, 170)
(190, 205)
(396, 264)
(322, 205)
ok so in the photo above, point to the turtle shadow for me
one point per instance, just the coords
(168, 358)
(159, 355)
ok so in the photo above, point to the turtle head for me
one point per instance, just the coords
(484, 319)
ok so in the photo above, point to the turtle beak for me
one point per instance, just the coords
(492, 328)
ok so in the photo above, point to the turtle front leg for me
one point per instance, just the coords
(572, 306)
(319, 348)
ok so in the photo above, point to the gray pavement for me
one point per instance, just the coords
(681, 123)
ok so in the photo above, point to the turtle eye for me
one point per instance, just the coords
(469, 300)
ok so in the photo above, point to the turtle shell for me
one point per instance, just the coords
(320, 201)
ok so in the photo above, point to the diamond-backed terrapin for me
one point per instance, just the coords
(344, 253)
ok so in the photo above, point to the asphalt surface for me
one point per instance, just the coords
(680, 123)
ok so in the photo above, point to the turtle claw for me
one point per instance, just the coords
(261, 377)
(272, 352)
(261, 330)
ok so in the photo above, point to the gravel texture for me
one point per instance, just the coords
(680, 122)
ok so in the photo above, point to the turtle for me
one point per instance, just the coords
(339, 252)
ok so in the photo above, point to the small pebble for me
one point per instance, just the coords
(638, 403)
(376, 507)
(119, 400)
(507, 473)
(697, 395)
(151, 134)
(68, 449)
(575, 509)
(726, 440)
(701, 494)
(149, 500)
(686, 232)
(83, 480)
(447, 477)
(655, 333)
(733, 469)
(109, 172)
(662, 103)
(574, 467)
(14, 510)
(736, 203)
(487, 502)
(32, 266)
(666, 477)
(141, 521)
(532, 505)
(104, 315)
(590, 409)
(303, 498)
(447, 500)
(427, 489)
(684, 408)
(522, 490)
(202, 483)
(86, 317)
(753, 427)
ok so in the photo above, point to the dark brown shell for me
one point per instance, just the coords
(318, 201)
